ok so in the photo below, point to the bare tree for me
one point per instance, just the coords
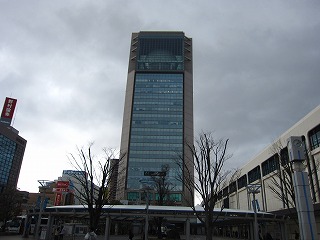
(94, 185)
(162, 187)
(208, 159)
(282, 180)
(232, 183)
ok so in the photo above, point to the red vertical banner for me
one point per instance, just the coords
(57, 200)
(8, 110)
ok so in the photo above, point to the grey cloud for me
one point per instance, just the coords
(255, 70)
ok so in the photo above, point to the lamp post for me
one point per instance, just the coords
(146, 189)
(146, 228)
(254, 189)
(44, 186)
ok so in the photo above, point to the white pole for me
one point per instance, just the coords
(147, 218)
(256, 236)
(254, 188)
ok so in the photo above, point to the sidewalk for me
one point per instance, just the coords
(112, 237)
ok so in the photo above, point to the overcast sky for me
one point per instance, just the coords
(256, 71)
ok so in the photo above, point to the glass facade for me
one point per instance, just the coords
(157, 127)
(7, 150)
(158, 116)
(160, 53)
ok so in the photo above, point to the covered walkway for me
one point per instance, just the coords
(185, 216)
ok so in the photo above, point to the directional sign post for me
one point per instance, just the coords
(154, 173)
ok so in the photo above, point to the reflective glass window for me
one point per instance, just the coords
(156, 127)
(7, 149)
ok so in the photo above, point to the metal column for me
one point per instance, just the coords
(188, 229)
(107, 229)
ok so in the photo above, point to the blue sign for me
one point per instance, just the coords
(255, 205)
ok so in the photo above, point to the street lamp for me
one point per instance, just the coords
(146, 189)
(44, 186)
(254, 189)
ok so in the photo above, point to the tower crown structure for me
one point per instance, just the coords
(158, 113)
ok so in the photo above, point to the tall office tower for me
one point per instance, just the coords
(12, 148)
(158, 113)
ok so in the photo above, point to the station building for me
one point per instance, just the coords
(271, 170)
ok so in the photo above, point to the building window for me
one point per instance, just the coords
(270, 165)
(133, 196)
(233, 187)
(254, 174)
(220, 195)
(284, 157)
(314, 137)
(226, 203)
(176, 197)
(242, 181)
(225, 191)
(146, 195)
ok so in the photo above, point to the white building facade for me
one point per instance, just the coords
(268, 169)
